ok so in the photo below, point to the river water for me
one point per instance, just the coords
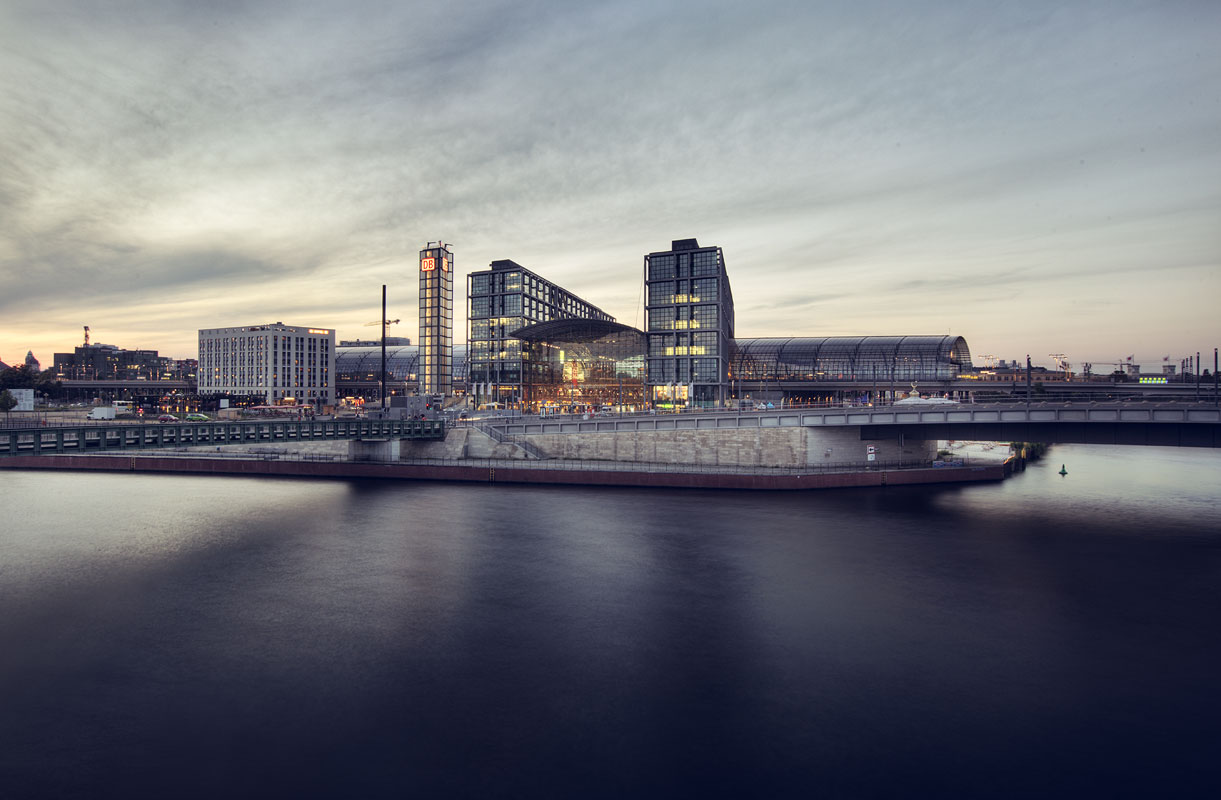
(181, 636)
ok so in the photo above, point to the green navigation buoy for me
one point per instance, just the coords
(1063, 471)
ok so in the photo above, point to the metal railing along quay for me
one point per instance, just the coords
(562, 465)
(901, 413)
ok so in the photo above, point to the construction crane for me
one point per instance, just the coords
(389, 322)
(86, 336)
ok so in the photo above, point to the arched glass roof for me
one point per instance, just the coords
(355, 363)
(854, 357)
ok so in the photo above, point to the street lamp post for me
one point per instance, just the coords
(1027, 379)
(382, 396)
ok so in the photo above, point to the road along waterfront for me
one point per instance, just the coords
(193, 635)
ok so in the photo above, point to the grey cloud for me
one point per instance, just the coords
(799, 301)
(835, 149)
(121, 276)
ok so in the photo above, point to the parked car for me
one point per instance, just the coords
(167, 418)
(197, 417)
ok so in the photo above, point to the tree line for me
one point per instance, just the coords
(26, 377)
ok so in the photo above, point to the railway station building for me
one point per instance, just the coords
(536, 346)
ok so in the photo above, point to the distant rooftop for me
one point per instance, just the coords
(391, 341)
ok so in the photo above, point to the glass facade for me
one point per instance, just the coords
(436, 369)
(358, 370)
(582, 364)
(689, 326)
(500, 301)
(598, 354)
(850, 358)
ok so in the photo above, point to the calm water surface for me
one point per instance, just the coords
(168, 636)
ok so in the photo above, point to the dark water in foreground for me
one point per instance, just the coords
(193, 636)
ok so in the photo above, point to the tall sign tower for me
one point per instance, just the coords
(436, 360)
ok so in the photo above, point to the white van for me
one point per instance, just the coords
(101, 412)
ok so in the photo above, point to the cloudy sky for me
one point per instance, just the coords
(1038, 177)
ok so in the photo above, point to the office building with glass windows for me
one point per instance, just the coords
(689, 326)
(500, 301)
(277, 363)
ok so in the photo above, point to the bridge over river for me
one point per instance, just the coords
(1133, 423)
(903, 432)
(113, 437)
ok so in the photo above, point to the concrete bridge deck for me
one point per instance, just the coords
(1179, 424)
(108, 437)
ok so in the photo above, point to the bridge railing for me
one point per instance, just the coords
(78, 439)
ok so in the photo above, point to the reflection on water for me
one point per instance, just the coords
(212, 636)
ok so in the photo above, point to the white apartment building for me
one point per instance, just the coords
(279, 363)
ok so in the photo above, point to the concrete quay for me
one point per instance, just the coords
(513, 471)
(775, 458)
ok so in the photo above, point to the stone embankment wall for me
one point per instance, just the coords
(772, 447)
(453, 446)
(844, 447)
(461, 443)
(740, 447)
(480, 445)
(324, 447)
(737, 447)
(458, 443)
